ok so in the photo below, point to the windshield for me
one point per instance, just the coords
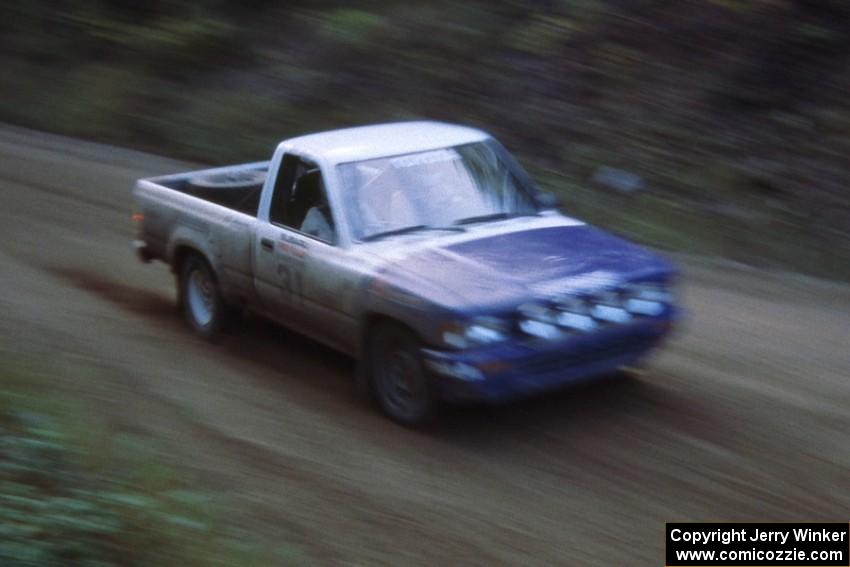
(476, 182)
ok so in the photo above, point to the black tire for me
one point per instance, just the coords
(398, 381)
(231, 189)
(200, 298)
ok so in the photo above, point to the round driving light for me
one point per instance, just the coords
(539, 329)
(611, 314)
(576, 321)
(484, 334)
(644, 307)
(650, 292)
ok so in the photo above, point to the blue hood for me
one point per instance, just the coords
(500, 271)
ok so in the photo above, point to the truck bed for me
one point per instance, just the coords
(173, 216)
(236, 187)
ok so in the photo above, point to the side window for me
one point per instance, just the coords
(300, 201)
(290, 168)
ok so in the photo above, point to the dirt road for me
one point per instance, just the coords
(745, 416)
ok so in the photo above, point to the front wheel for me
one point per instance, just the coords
(203, 306)
(400, 385)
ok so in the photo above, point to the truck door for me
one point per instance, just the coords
(302, 271)
(278, 252)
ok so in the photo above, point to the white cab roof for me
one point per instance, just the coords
(381, 140)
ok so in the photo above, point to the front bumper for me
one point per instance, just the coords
(512, 370)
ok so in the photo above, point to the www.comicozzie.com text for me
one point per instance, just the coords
(743, 534)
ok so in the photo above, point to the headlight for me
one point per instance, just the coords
(571, 315)
(577, 321)
(540, 329)
(479, 331)
(648, 299)
(574, 313)
(651, 292)
(484, 334)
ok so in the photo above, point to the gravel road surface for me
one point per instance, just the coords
(744, 416)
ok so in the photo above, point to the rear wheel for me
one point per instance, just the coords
(201, 300)
(399, 382)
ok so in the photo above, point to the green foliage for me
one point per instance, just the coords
(818, 34)
(587, 12)
(72, 496)
(689, 95)
(349, 27)
(542, 34)
(171, 43)
(170, 46)
(751, 5)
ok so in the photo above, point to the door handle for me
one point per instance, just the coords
(267, 244)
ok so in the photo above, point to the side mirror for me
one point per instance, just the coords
(548, 200)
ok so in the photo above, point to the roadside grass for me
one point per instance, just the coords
(75, 492)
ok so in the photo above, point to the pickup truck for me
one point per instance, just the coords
(423, 250)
